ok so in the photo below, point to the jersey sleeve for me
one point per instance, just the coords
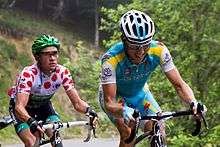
(25, 82)
(108, 75)
(166, 60)
(67, 80)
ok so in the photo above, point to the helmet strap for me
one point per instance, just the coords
(125, 47)
(36, 57)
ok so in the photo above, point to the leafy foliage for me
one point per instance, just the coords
(189, 29)
(85, 71)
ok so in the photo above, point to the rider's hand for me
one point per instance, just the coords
(34, 125)
(193, 106)
(92, 115)
(128, 114)
(198, 109)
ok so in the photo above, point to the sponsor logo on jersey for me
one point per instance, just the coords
(127, 71)
(167, 57)
(106, 73)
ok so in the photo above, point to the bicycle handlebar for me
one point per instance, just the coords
(60, 125)
(167, 115)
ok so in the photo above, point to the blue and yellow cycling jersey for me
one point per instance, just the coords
(130, 78)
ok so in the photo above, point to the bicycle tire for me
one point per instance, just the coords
(157, 140)
(59, 144)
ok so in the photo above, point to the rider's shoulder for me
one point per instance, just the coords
(157, 44)
(157, 48)
(115, 49)
(30, 69)
(62, 69)
(115, 52)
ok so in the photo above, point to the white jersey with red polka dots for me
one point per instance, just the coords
(39, 86)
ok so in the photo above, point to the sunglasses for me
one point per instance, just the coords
(136, 47)
(49, 53)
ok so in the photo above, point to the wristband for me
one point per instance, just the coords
(33, 124)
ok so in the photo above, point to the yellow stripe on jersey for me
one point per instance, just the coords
(116, 59)
(156, 51)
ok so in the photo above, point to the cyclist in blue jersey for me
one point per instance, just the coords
(126, 67)
(35, 86)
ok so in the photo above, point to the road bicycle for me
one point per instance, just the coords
(56, 139)
(155, 136)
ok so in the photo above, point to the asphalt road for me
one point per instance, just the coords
(80, 143)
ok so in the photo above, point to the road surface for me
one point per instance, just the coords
(80, 143)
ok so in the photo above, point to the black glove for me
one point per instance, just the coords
(33, 123)
(92, 116)
(91, 112)
(200, 108)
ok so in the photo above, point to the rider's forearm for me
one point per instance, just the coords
(21, 113)
(114, 108)
(78, 104)
(185, 92)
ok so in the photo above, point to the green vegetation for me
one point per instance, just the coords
(189, 29)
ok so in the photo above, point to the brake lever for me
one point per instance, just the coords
(200, 109)
(198, 128)
(205, 122)
(88, 135)
(91, 130)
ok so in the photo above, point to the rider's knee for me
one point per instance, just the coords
(146, 125)
(30, 142)
(125, 134)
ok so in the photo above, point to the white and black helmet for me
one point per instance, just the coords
(137, 27)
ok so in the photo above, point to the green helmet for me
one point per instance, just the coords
(44, 41)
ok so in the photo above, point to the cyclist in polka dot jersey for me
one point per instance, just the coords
(35, 86)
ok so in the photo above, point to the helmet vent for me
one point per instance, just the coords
(141, 31)
(135, 30)
(128, 30)
(144, 17)
(139, 20)
(146, 27)
(131, 18)
(151, 26)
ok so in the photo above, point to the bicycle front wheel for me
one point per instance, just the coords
(56, 140)
(157, 141)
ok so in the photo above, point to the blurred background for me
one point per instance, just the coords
(87, 28)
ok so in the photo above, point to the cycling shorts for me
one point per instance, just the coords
(144, 102)
(45, 113)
